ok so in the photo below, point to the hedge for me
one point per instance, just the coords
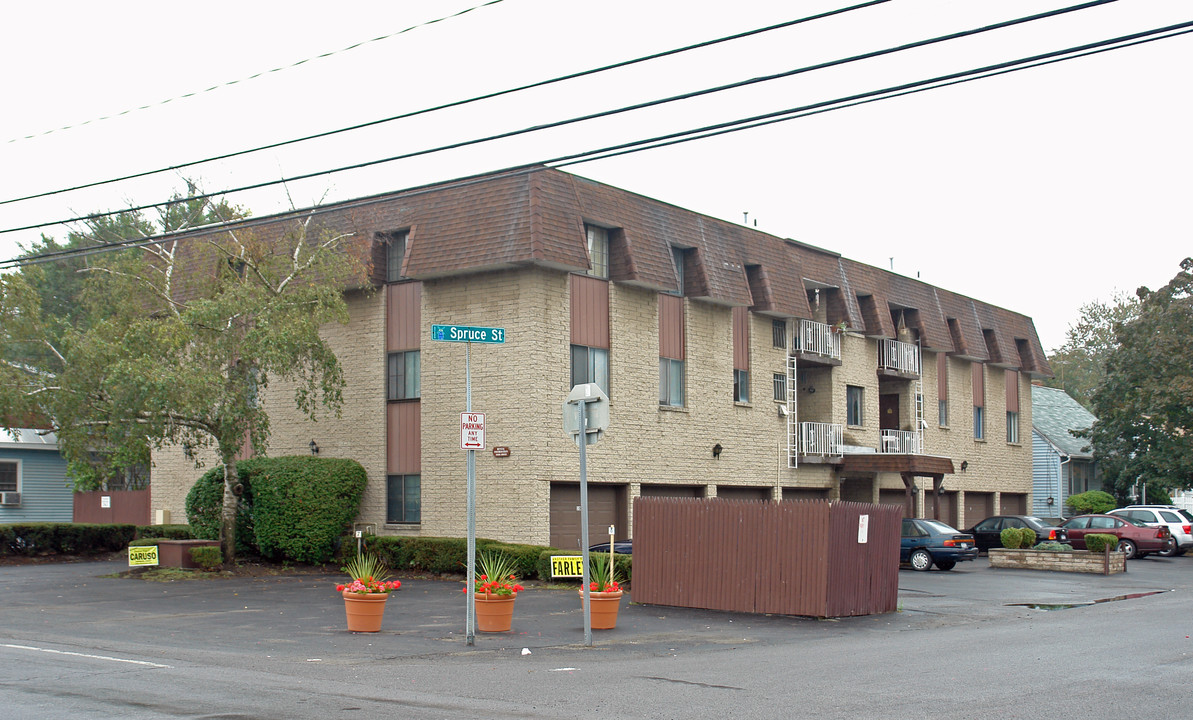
(31, 539)
(1098, 542)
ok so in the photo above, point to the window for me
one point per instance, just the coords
(741, 386)
(8, 477)
(395, 253)
(942, 410)
(403, 499)
(979, 423)
(1012, 427)
(677, 256)
(780, 381)
(404, 375)
(598, 251)
(590, 365)
(778, 333)
(671, 382)
(853, 405)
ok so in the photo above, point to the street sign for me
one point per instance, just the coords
(462, 333)
(595, 407)
(472, 431)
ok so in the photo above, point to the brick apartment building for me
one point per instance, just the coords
(738, 364)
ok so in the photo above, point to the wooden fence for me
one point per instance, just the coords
(123, 506)
(813, 558)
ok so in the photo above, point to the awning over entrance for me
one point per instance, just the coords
(909, 468)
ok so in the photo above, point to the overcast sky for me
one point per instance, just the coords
(1038, 190)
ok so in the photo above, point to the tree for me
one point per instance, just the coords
(174, 343)
(1144, 405)
(1078, 364)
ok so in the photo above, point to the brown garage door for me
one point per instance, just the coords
(943, 507)
(895, 497)
(804, 494)
(978, 507)
(606, 506)
(743, 493)
(685, 491)
(1014, 504)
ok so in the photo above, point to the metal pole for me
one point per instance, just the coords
(470, 612)
(583, 425)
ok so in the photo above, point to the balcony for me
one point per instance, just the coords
(823, 439)
(900, 442)
(816, 342)
(898, 359)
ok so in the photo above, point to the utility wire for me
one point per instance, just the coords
(583, 118)
(684, 136)
(456, 103)
(254, 76)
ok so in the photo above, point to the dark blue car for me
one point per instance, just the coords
(927, 542)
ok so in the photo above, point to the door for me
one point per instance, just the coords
(888, 411)
(606, 506)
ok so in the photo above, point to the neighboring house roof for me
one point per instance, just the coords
(1054, 414)
(536, 216)
(27, 439)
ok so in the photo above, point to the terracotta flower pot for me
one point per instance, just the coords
(364, 610)
(605, 606)
(494, 613)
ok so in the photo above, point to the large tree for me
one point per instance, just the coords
(173, 343)
(1078, 365)
(1144, 405)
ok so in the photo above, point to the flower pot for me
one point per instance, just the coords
(605, 606)
(364, 610)
(494, 613)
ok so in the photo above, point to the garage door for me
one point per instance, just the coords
(804, 494)
(943, 507)
(606, 506)
(743, 493)
(1014, 504)
(978, 507)
(895, 497)
(684, 491)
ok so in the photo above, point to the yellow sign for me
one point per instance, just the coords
(142, 555)
(567, 566)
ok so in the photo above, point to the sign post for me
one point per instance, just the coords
(586, 423)
(472, 438)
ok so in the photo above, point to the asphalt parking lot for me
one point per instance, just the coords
(302, 616)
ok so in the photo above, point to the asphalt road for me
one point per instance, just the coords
(964, 644)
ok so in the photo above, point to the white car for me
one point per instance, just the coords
(1179, 522)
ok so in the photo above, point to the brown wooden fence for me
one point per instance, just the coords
(124, 506)
(812, 558)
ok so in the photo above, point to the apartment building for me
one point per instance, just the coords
(738, 364)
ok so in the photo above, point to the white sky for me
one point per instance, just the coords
(1038, 191)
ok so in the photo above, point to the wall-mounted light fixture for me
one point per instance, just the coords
(964, 465)
(810, 390)
(314, 448)
(783, 411)
(716, 450)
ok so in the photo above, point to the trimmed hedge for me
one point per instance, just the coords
(207, 558)
(30, 539)
(1092, 501)
(291, 508)
(1015, 538)
(1098, 542)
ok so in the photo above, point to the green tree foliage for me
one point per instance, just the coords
(1078, 365)
(1144, 406)
(175, 342)
(1093, 501)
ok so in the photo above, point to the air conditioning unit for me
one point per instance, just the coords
(11, 499)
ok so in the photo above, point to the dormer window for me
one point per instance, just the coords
(677, 257)
(598, 251)
(395, 253)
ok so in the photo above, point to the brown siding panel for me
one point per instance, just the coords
(403, 307)
(671, 339)
(741, 338)
(942, 376)
(979, 384)
(589, 311)
(404, 438)
(1012, 380)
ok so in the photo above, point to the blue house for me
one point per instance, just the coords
(1061, 465)
(33, 484)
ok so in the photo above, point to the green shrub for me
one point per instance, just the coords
(31, 539)
(1010, 538)
(1027, 537)
(302, 505)
(1098, 542)
(1094, 501)
(1053, 546)
(623, 564)
(207, 558)
(169, 532)
(205, 503)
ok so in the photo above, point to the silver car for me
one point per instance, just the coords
(1179, 522)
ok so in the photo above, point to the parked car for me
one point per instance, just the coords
(927, 542)
(1134, 538)
(1179, 522)
(988, 533)
(622, 547)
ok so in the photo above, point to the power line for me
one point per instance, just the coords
(455, 103)
(590, 116)
(254, 76)
(678, 137)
